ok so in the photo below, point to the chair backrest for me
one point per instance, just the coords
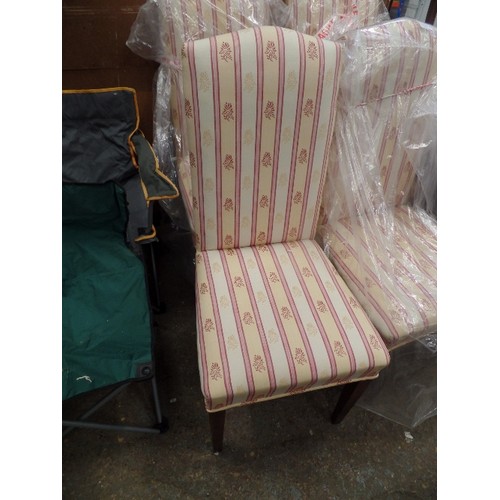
(259, 107)
(388, 80)
(97, 127)
(310, 16)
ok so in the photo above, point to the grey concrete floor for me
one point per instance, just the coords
(281, 449)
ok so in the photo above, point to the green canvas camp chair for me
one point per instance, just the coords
(110, 179)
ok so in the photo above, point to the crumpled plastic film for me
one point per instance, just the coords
(159, 33)
(377, 222)
(331, 18)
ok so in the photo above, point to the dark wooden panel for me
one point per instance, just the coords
(95, 55)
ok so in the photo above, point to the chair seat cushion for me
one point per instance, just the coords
(396, 281)
(278, 319)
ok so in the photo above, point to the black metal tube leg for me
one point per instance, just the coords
(156, 286)
(217, 420)
(348, 398)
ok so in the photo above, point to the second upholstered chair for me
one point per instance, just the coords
(274, 318)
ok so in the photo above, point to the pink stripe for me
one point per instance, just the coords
(277, 318)
(333, 107)
(238, 125)
(258, 128)
(217, 129)
(239, 327)
(312, 143)
(203, 354)
(317, 318)
(297, 316)
(298, 117)
(190, 54)
(260, 326)
(220, 333)
(277, 134)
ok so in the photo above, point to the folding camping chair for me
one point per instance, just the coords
(110, 178)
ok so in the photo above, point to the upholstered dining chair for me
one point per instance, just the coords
(274, 318)
(382, 244)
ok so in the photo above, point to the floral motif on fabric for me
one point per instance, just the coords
(271, 51)
(306, 272)
(225, 52)
(285, 313)
(300, 357)
(308, 108)
(228, 162)
(269, 112)
(248, 318)
(320, 305)
(228, 205)
(261, 238)
(215, 371)
(338, 348)
(204, 82)
(258, 364)
(374, 342)
(192, 161)
(266, 159)
(238, 282)
(203, 288)
(228, 240)
(264, 202)
(249, 84)
(302, 156)
(188, 110)
(207, 138)
(208, 325)
(232, 343)
(291, 81)
(228, 112)
(312, 51)
(297, 199)
(273, 277)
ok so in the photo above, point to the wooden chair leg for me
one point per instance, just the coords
(217, 420)
(348, 398)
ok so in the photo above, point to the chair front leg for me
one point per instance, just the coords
(217, 420)
(348, 398)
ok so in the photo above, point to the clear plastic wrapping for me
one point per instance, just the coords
(331, 18)
(159, 33)
(406, 391)
(378, 224)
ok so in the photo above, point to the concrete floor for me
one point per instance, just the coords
(282, 449)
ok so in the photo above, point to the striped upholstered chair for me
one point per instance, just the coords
(383, 246)
(274, 318)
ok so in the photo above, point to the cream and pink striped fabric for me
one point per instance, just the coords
(273, 316)
(385, 251)
(310, 16)
(193, 20)
(395, 283)
(259, 107)
(275, 320)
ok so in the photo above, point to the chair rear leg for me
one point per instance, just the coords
(217, 420)
(348, 398)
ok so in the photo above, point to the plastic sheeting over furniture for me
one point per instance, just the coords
(158, 33)
(379, 222)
